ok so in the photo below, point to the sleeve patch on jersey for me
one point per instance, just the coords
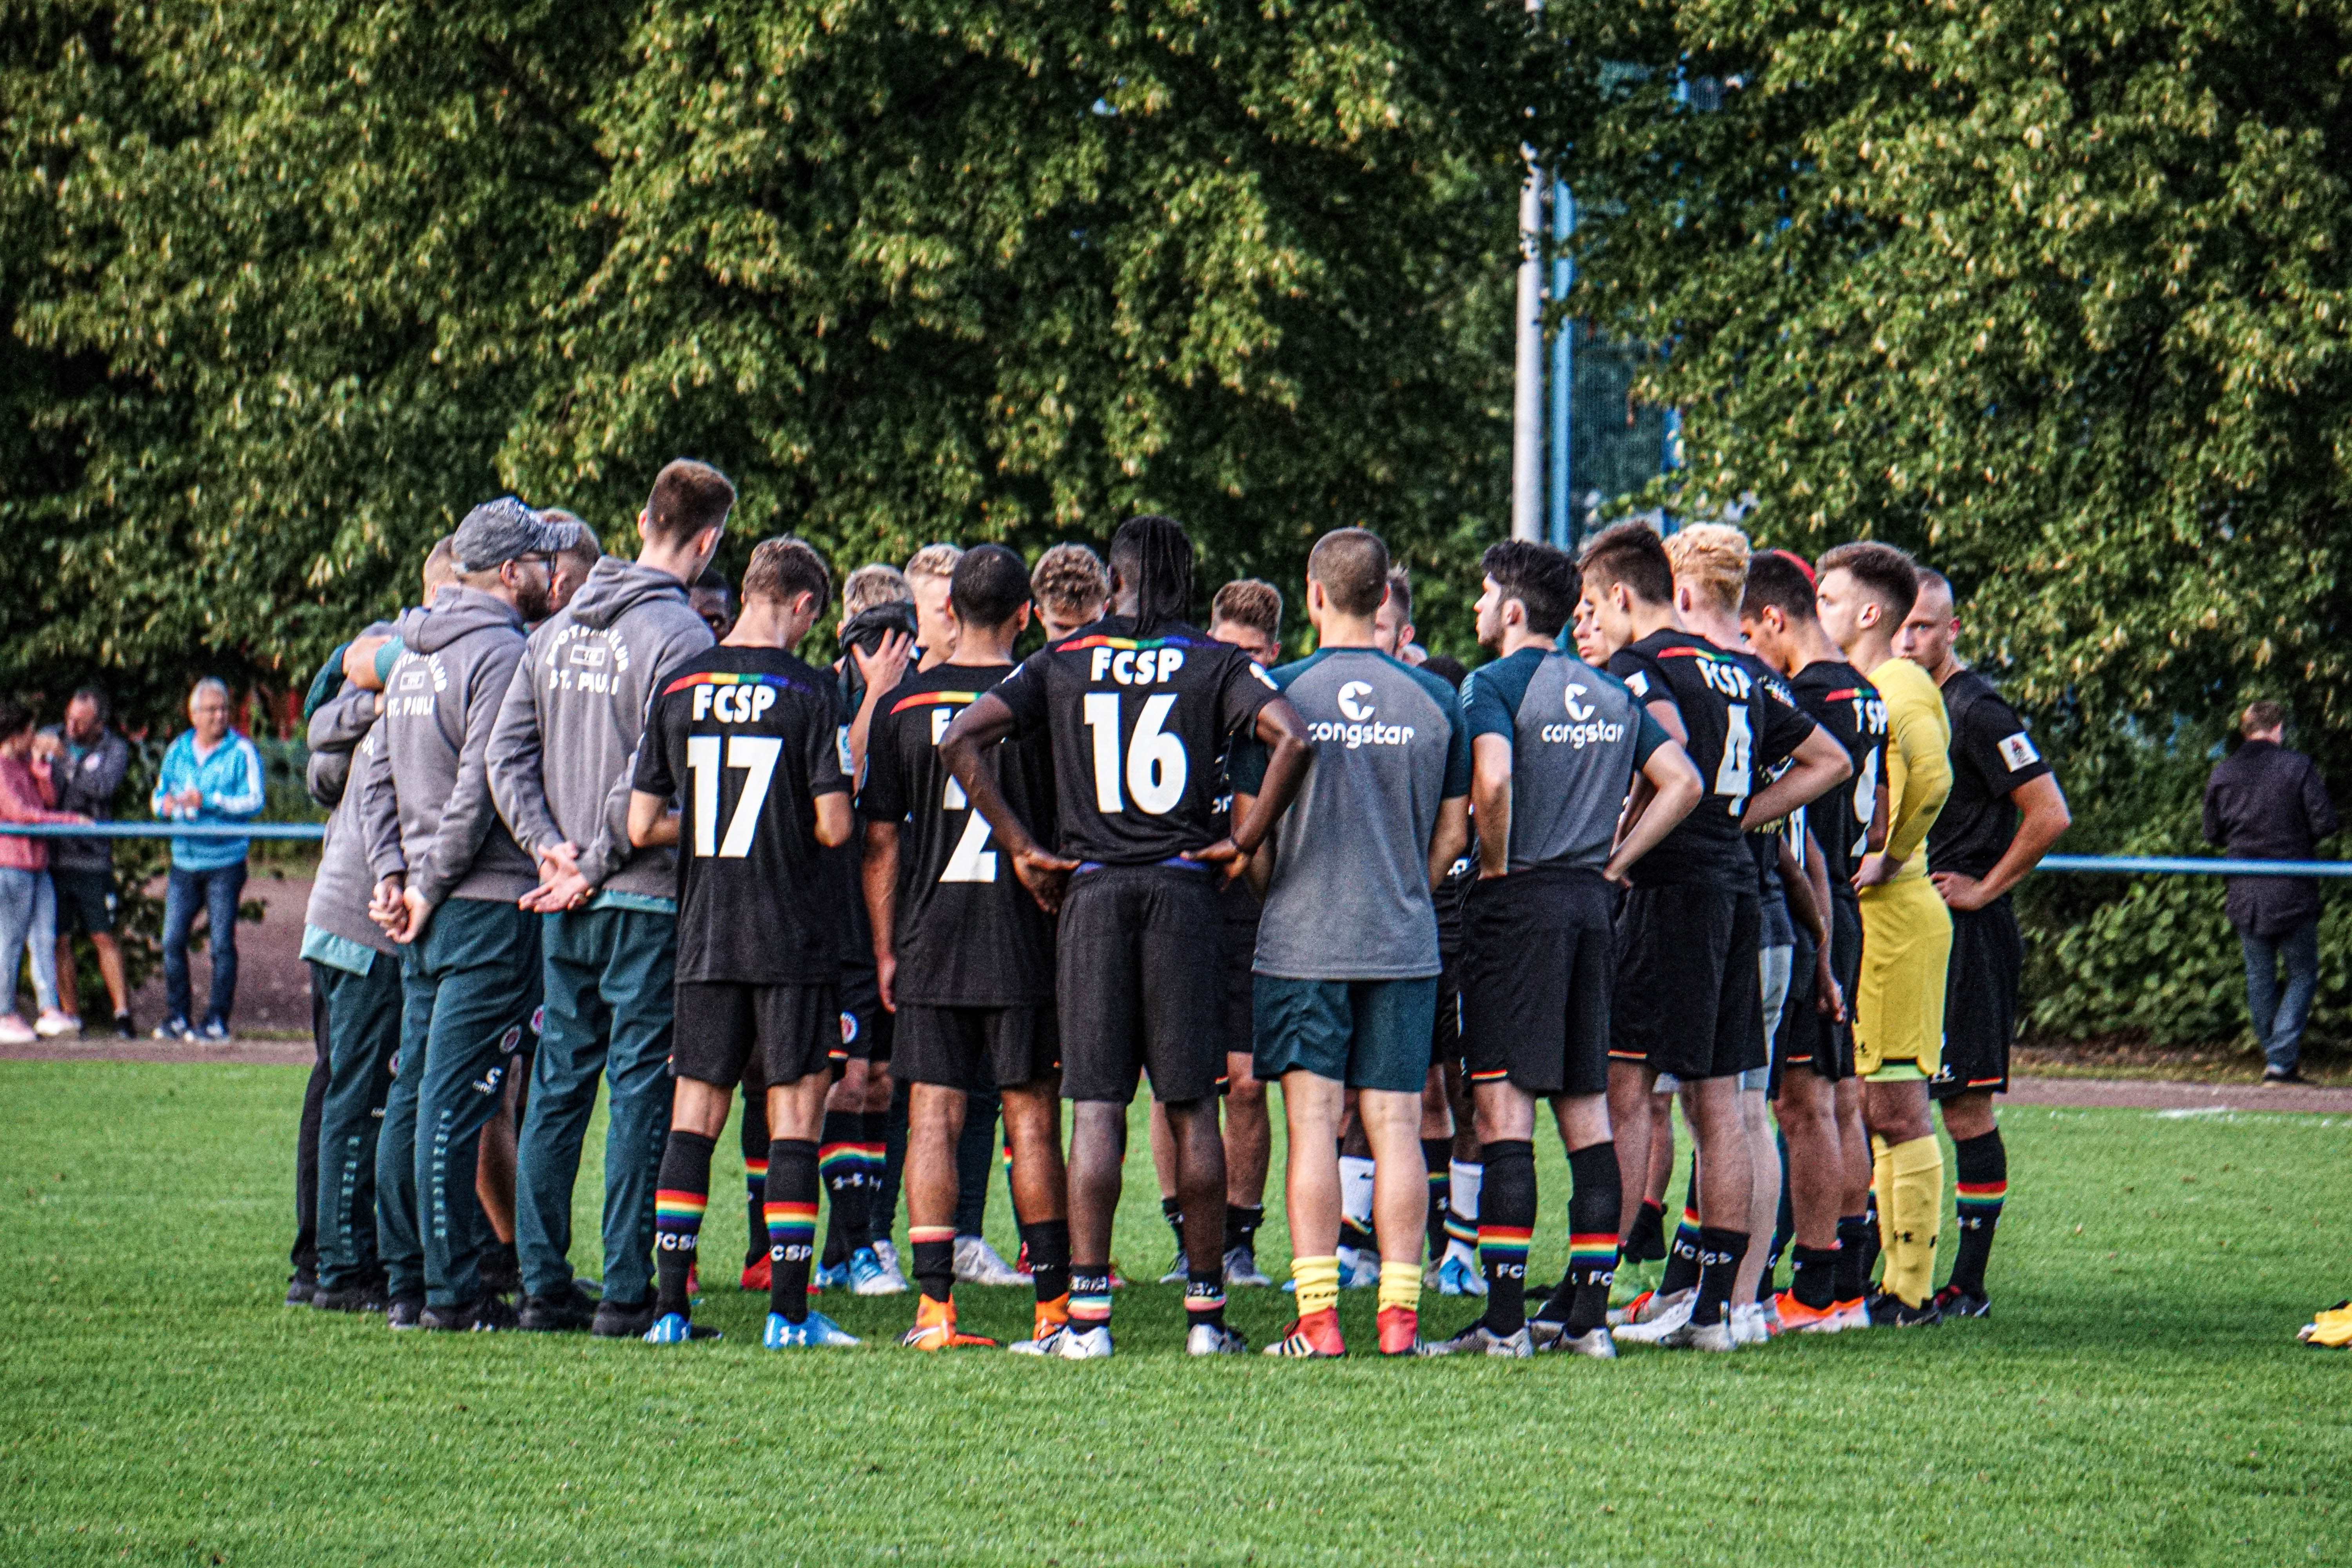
(2018, 751)
(1259, 670)
(1638, 684)
(841, 750)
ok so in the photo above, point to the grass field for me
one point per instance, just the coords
(2139, 1398)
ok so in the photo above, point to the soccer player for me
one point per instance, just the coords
(1345, 995)
(880, 627)
(1686, 998)
(1246, 613)
(2004, 811)
(560, 765)
(746, 738)
(1819, 1100)
(1710, 563)
(1863, 591)
(713, 598)
(448, 880)
(965, 955)
(1557, 746)
(930, 578)
(1071, 588)
(1139, 708)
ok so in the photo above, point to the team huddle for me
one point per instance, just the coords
(1709, 824)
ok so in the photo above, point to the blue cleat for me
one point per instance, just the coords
(815, 1331)
(677, 1329)
(829, 1276)
(868, 1278)
(1455, 1278)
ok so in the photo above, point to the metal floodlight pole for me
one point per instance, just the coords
(1527, 403)
(1563, 367)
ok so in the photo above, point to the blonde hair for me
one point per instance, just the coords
(1069, 581)
(878, 582)
(1712, 557)
(934, 560)
(1254, 603)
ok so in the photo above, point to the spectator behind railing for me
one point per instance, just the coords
(28, 907)
(209, 774)
(2267, 802)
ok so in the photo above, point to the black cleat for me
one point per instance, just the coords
(300, 1288)
(501, 1271)
(124, 1029)
(619, 1321)
(1951, 1302)
(1888, 1310)
(567, 1312)
(366, 1296)
(405, 1312)
(485, 1316)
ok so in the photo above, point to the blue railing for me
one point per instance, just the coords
(2193, 866)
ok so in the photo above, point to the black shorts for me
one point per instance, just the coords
(720, 1023)
(1539, 957)
(1237, 911)
(1981, 1001)
(978, 1049)
(1808, 1037)
(85, 900)
(1688, 999)
(866, 1031)
(1140, 984)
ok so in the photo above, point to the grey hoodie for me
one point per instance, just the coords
(339, 893)
(563, 754)
(428, 811)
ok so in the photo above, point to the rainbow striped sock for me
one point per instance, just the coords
(1089, 1296)
(755, 1191)
(1981, 1165)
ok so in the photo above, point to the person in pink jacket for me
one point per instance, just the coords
(28, 905)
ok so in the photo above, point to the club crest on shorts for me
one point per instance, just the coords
(849, 1028)
(539, 1019)
(510, 1039)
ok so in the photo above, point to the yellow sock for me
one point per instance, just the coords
(1400, 1286)
(1318, 1283)
(1914, 1209)
(1882, 1186)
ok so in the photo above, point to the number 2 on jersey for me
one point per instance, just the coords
(970, 862)
(1157, 768)
(755, 754)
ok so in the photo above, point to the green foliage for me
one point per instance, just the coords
(292, 287)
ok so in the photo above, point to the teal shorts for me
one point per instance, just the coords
(1366, 1034)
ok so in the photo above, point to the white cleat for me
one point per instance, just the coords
(1595, 1343)
(1664, 1319)
(1716, 1336)
(1241, 1268)
(1209, 1339)
(1084, 1345)
(977, 1263)
(1747, 1325)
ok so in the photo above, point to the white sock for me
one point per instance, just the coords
(1356, 1189)
(1463, 1181)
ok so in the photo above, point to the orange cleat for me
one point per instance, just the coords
(935, 1328)
(1314, 1337)
(1796, 1318)
(759, 1275)
(1400, 1331)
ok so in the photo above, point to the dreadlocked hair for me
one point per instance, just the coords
(1153, 554)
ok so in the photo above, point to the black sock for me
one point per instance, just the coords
(755, 1175)
(1855, 1231)
(1592, 1207)
(1869, 1239)
(841, 1166)
(1682, 1257)
(1507, 1221)
(934, 1249)
(884, 1200)
(1204, 1296)
(1980, 1171)
(1089, 1296)
(1817, 1267)
(975, 1152)
(791, 1214)
(1647, 1242)
(1784, 1224)
(1049, 1256)
(682, 1193)
(874, 1135)
(1242, 1222)
(1172, 1211)
(1719, 1252)
(1437, 1156)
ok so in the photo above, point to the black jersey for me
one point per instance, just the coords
(1991, 757)
(746, 738)
(1739, 726)
(968, 934)
(1139, 730)
(1841, 700)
